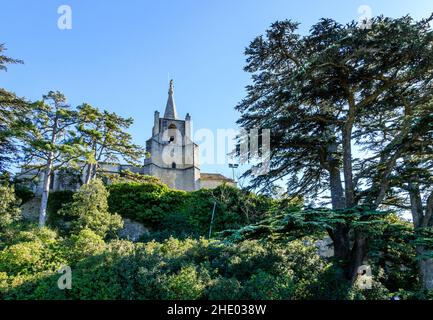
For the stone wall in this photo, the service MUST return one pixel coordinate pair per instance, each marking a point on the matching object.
(181, 179)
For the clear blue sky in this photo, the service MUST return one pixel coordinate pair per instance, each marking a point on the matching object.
(119, 53)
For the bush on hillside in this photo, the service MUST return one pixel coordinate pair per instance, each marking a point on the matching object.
(90, 211)
(147, 203)
(173, 269)
(34, 251)
(9, 210)
(234, 208)
(23, 193)
(56, 200)
(181, 213)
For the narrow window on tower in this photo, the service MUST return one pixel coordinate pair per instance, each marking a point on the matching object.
(172, 132)
(173, 165)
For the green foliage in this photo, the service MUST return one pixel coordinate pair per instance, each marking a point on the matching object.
(23, 193)
(84, 244)
(234, 208)
(90, 209)
(178, 269)
(9, 210)
(391, 249)
(181, 213)
(57, 199)
(265, 286)
(336, 89)
(173, 269)
(294, 222)
(225, 289)
(126, 176)
(51, 142)
(147, 203)
(394, 252)
(37, 250)
(187, 284)
(13, 120)
(105, 139)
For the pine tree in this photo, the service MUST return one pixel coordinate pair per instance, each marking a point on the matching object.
(51, 144)
(105, 136)
(9, 209)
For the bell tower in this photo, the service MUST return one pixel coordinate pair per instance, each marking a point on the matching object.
(173, 155)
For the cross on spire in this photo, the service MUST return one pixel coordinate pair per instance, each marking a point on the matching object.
(170, 108)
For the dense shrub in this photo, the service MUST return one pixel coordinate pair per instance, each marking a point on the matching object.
(90, 210)
(85, 244)
(9, 210)
(188, 284)
(148, 203)
(56, 200)
(395, 254)
(37, 250)
(127, 176)
(234, 208)
(225, 289)
(173, 269)
(181, 213)
(23, 193)
(265, 286)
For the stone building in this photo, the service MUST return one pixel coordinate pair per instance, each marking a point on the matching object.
(172, 156)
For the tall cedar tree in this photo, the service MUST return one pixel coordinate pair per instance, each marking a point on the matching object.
(316, 92)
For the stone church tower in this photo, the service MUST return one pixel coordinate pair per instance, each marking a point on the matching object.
(172, 155)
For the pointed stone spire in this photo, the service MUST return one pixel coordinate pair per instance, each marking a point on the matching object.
(170, 108)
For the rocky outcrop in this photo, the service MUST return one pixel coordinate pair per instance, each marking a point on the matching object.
(132, 230)
(30, 209)
(325, 247)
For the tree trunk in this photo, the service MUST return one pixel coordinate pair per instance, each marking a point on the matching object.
(415, 205)
(425, 265)
(340, 235)
(347, 166)
(47, 177)
(88, 173)
(425, 269)
(45, 193)
(94, 167)
(350, 258)
(340, 238)
(359, 249)
(358, 254)
(91, 168)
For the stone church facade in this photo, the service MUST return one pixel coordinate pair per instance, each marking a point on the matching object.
(172, 156)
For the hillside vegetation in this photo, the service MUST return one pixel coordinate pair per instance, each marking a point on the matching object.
(177, 260)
